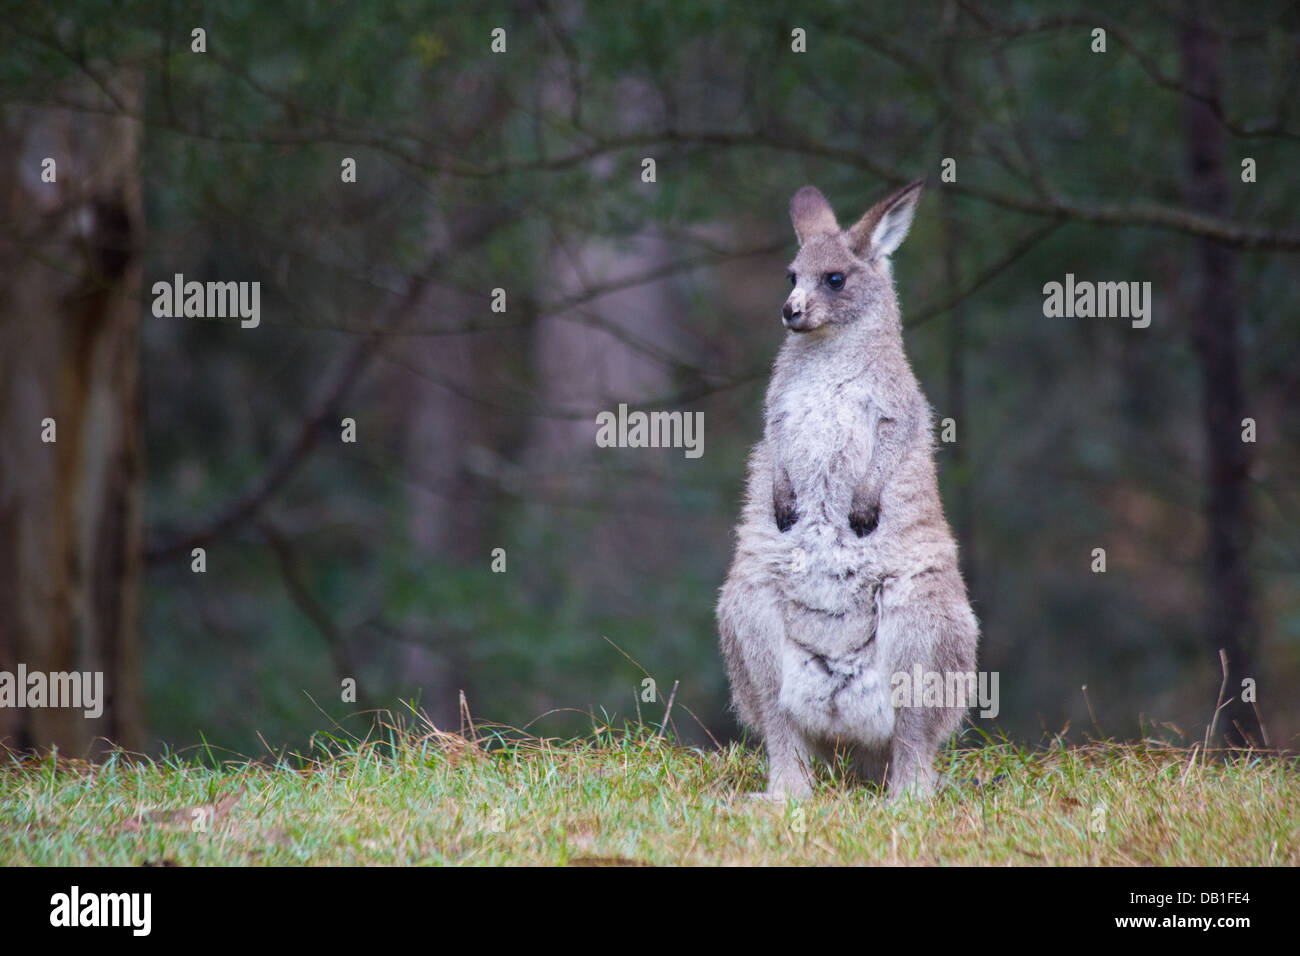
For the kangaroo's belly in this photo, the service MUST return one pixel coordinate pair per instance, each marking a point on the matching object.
(833, 680)
(836, 698)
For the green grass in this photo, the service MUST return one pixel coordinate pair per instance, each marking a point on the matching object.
(622, 797)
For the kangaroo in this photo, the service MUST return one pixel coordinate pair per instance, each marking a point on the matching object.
(845, 571)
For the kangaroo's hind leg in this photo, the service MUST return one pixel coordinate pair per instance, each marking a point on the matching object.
(752, 632)
(927, 621)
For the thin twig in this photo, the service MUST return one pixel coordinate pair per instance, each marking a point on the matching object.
(668, 710)
(1209, 733)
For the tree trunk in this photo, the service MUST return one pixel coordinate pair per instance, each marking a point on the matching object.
(70, 510)
(1215, 321)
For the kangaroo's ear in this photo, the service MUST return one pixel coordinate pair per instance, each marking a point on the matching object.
(884, 226)
(811, 214)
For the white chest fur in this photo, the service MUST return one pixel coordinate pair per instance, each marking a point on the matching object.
(821, 429)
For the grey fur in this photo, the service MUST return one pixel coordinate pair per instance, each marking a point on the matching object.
(845, 571)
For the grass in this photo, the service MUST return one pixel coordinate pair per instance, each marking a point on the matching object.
(629, 797)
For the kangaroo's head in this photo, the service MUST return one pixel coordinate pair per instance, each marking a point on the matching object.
(844, 277)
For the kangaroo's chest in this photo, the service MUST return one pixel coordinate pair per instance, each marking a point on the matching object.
(822, 431)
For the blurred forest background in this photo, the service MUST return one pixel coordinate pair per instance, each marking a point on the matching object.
(522, 170)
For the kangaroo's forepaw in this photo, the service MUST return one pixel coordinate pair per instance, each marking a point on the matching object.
(864, 520)
(786, 517)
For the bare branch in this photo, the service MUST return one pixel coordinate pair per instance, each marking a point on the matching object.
(287, 462)
(988, 274)
(302, 596)
(1144, 60)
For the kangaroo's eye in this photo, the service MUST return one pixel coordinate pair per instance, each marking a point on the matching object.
(835, 280)
(793, 278)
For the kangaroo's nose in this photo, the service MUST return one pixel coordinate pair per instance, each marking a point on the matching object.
(789, 313)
